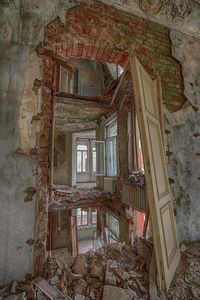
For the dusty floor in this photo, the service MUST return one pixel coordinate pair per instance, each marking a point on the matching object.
(114, 272)
(85, 246)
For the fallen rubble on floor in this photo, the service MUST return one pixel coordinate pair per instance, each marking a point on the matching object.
(114, 272)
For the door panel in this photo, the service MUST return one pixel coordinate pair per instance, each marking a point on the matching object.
(163, 223)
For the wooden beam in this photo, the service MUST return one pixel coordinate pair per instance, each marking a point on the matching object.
(123, 75)
(101, 99)
(82, 102)
(65, 63)
(74, 127)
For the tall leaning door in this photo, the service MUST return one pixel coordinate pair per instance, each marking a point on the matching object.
(159, 198)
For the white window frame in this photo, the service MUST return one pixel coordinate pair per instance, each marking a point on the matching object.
(111, 139)
(81, 142)
(94, 143)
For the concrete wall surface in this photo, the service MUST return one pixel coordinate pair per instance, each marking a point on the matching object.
(18, 171)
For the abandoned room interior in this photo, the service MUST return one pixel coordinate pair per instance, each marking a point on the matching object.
(100, 127)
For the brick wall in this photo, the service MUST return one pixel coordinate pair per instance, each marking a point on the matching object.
(94, 30)
(43, 154)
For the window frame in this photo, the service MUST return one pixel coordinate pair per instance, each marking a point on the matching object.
(80, 142)
(110, 139)
(90, 218)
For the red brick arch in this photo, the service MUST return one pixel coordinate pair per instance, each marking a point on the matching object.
(97, 31)
(79, 50)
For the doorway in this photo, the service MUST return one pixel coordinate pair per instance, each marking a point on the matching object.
(85, 158)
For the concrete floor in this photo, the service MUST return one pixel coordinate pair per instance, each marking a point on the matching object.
(86, 185)
(85, 246)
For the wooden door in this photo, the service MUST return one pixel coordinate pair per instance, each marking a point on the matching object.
(159, 198)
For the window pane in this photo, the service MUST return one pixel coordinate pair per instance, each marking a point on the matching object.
(111, 152)
(94, 161)
(84, 161)
(82, 147)
(112, 129)
(94, 217)
(79, 161)
(84, 217)
(98, 158)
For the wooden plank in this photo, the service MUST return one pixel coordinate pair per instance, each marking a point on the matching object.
(120, 82)
(81, 102)
(65, 63)
(102, 225)
(50, 291)
(146, 222)
(74, 127)
(118, 87)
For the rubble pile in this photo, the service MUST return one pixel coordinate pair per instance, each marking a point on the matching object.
(114, 272)
(186, 283)
(65, 196)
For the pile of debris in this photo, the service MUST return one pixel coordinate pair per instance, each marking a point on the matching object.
(186, 283)
(66, 196)
(115, 271)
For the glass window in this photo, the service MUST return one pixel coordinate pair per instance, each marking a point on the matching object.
(94, 217)
(115, 70)
(81, 217)
(111, 149)
(94, 157)
(82, 155)
(98, 158)
(82, 147)
(86, 217)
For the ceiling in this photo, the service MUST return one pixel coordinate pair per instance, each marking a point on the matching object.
(180, 15)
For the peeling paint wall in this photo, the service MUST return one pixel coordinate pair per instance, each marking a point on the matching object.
(18, 171)
(62, 158)
(183, 128)
(21, 28)
(30, 105)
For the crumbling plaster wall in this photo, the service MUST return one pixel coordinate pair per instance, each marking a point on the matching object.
(63, 167)
(17, 218)
(183, 128)
(21, 28)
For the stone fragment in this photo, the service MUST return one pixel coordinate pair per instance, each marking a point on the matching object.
(183, 248)
(110, 279)
(13, 287)
(50, 291)
(80, 287)
(64, 259)
(21, 296)
(97, 268)
(115, 293)
(122, 275)
(80, 264)
(54, 280)
(23, 287)
(79, 297)
(195, 292)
